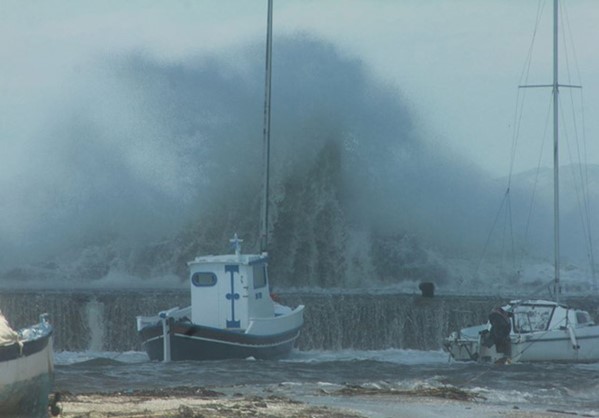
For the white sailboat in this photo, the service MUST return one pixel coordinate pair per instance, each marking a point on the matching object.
(232, 313)
(534, 330)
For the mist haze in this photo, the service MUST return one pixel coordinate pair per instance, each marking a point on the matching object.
(130, 164)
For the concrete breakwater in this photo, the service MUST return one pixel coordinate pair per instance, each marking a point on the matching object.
(104, 320)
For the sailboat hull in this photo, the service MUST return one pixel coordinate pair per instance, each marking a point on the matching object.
(558, 346)
(552, 346)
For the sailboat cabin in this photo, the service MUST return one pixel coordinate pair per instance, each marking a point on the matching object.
(541, 315)
(229, 290)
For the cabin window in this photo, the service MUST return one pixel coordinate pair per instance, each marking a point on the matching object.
(532, 318)
(260, 279)
(203, 279)
(583, 318)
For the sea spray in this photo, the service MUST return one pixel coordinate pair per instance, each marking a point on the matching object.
(105, 319)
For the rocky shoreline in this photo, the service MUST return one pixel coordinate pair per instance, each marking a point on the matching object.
(349, 402)
(190, 403)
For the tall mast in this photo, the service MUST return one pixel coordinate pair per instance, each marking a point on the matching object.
(556, 285)
(555, 93)
(265, 184)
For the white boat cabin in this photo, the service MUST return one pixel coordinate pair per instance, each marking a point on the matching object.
(229, 291)
(541, 315)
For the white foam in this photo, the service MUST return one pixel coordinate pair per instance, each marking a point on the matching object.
(65, 358)
(398, 356)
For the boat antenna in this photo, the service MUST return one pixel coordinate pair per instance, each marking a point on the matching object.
(266, 133)
(555, 93)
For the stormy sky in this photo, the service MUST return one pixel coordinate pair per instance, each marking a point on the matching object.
(90, 136)
(458, 62)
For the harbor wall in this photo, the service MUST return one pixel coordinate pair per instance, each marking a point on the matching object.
(104, 320)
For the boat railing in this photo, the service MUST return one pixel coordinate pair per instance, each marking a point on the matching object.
(175, 313)
(281, 323)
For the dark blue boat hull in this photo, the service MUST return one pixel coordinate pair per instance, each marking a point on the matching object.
(194, 342)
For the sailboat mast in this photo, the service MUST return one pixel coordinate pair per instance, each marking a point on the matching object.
(556, 226)
(266, 144)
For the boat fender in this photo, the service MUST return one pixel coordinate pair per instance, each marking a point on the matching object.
(485, 338)
(573, 340)
(167, 326)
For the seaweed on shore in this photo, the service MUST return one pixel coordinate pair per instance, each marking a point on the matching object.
(173, 392)
(196, 402)
(445, 392)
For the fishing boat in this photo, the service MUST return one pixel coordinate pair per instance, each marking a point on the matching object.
(26, 369)
(533, 330)
(232, 312)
